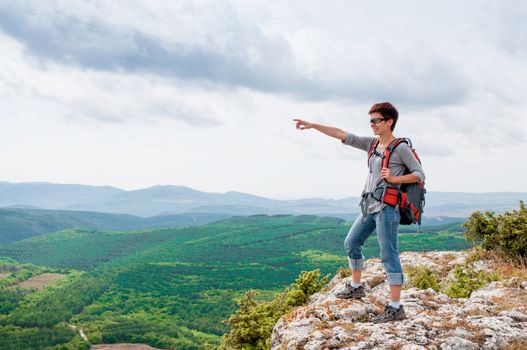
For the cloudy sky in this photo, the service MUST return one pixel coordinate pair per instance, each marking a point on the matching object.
(202, 93)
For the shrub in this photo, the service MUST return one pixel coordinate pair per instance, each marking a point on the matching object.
(466, 280)
(505, 233)
(306, 284)
(423, 277)
(253, 323)
(344, 272)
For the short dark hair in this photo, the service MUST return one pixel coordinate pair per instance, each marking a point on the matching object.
(387, 110)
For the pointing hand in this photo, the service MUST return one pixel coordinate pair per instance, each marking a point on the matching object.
(302, 124)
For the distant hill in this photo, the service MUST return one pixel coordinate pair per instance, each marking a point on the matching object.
(18, 224)
(170, 200)
(53, 196)
(261, 238)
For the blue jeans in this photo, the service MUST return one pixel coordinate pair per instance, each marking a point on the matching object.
(385, 222)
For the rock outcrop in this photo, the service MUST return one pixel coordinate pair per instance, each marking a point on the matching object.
(494, 317)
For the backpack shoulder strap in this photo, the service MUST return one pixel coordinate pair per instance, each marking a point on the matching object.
(373, 146)
(407, 140)
(389, 150)
(396, 142)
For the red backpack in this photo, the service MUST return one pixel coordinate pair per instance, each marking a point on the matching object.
(410, 197)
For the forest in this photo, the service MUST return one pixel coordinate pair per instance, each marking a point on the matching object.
(169, 288)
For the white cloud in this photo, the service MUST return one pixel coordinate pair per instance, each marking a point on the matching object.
(203, 94)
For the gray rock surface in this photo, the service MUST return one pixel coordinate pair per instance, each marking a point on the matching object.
(492, 318)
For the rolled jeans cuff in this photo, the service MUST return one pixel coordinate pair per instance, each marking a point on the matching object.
(356, 264)
(396, 278)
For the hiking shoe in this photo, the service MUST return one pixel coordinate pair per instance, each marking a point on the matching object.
(390, 314)
(351, 293)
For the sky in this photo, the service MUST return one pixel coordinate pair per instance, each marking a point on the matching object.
(202, 94)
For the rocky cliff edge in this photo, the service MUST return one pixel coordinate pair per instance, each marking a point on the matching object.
(493, 317)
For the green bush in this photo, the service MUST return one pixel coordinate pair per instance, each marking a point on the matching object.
(466, 280)
(344, 272)
(423, 277)
(253, 323)
(505, 233)
(476, 254)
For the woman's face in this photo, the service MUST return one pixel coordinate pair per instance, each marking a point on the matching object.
(378, 124)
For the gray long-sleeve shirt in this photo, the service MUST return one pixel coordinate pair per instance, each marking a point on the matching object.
(401, 158)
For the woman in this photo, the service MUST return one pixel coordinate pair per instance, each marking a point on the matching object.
(377, 215)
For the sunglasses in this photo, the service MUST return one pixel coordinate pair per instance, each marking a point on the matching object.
(376, 120)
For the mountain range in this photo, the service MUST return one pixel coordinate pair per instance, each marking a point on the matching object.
(176, 200)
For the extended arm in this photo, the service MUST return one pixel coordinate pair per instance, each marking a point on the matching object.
(328, 130)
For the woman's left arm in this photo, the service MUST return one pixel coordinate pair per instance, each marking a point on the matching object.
(402, 179)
